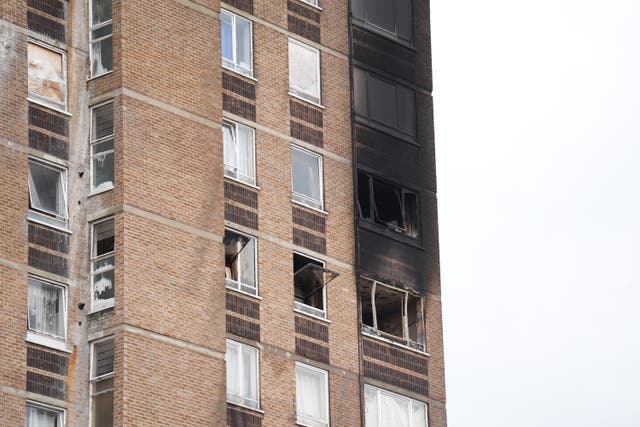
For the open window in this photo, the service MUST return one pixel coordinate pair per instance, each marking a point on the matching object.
(392, 313)
(240, 262)
(239, 152)
(388, 204)
(47, 192)
(310, 278)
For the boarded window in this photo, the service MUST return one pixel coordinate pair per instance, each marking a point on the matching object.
(47, 75)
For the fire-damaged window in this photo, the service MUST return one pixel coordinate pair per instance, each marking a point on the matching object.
(240, 262)
(389, 17)
(103, 264)
(47, 75)
(387, 204)
(101, 37)
(392, 313)
(309, 283)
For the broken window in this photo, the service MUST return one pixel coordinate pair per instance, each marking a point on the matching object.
(236, 37)
(309, 283)
(306, 177)
(102, 371)
(102, 147)
(387, 204)
(47, 192)
(304, 71)
(384, 102)
(101, 37)
(242, 374)
(47, 308)
(383, 408)
(47, 75)
(38, 415)
(392, 313)
(389, 17)
(240, 262)
(312, 396)
(103, 264)
(239, 152)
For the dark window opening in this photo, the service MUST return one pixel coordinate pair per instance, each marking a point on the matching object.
(309, 281)
(240, 262)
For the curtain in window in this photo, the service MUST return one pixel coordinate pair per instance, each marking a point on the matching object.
(306, 174)
(228, 136)
(394, 411)
(46, 311)
(246, 259)
(310, 395)
(419, 414)
(370, 407)
(246, 156)
(39, 417)
(243, 43)
(249, 376)
(226, 29)
(233, 368)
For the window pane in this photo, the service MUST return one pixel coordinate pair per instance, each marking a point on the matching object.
(305, 171)
(103, 171)
(246, 259)
(103, 358)
(406, 110)
(101, 10)
(102, 121)
(46, 73)
(102, 56)
(232, 358)
(404, 24)
(364, 195)
(388, 205)
(304, 78)
(370, 407)
(360, 92)
(226, 28)
(382, 101)
(243, 43)
(249, 384)
(246, 154)
(228, 137)
(394, 410)
(103, 238)
(357, 9)
(381, 14)
(389, 309)
(41, 417)
(46, 308)
(47, 189)
(103, 280)
(311, 397)
(419, 414)
(102, 410)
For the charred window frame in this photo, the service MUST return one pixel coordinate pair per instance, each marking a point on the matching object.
(389, 205)
(384, 104)
(47, 75)
(102, 147)
(100, 37)
(391, 18)
(101, 382)
(241, 262)
(103, 264)
(393, 314)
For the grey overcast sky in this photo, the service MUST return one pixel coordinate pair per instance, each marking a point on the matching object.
(537, 116)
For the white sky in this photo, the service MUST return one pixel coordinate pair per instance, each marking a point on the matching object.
(537, 116)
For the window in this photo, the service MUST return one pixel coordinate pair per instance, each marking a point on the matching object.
(237, 54)
(47, 75)
(47, 192)
(102, 264)
(47, 308)
(240, 262)
(392, 313)
(309, 285)
(384, 102)
(304, 71)
(101, 37)
(239, 152)
(389, 17)
(312, 396)
(383, 408)
(306, 177)
(387, 204)
(242, 375)
(39, 415)
(311, 2)
(102, 361)
(102, 147)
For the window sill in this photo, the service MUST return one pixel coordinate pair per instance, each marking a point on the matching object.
(322, 211)
(95, 311)
(99, 75)
(322, 319)
(35, 338)
(47, 222)
(308, 101)
(315, 6)
(258, 297)
(95, 192)
(255, 187)
(258, 410)
(303, 424)
(248, 76)
(45, 104)
(395, 344)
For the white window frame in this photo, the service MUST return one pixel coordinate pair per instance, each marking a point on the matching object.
(95, 379)
(300, 418)
(412, 402)
(236, 285)
(309, 310)
(61, 413)
(92, 28)
(304, 199)
(313, 3)
(44, 100)
(97, 306)
(233, 65)
(93, 142)
(316, 98)
(240, 400)
(251, 180)
(64, 304)
(42, 215)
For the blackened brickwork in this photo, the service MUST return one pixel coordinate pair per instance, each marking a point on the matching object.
(46, 26)
(49, 144)
(384, 54)
(54, 8)
(48, 121)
